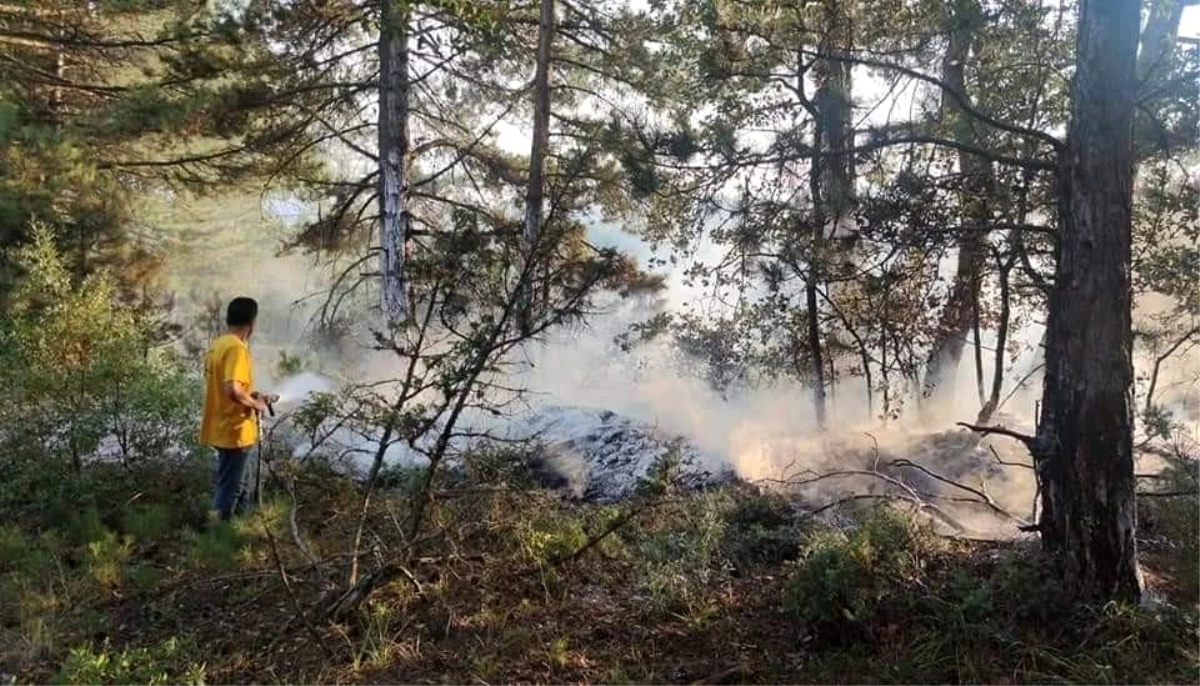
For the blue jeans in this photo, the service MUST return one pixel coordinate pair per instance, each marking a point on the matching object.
(231, 494)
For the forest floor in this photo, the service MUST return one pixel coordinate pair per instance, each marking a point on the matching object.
(125, 582)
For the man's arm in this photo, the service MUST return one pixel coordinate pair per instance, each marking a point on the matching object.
(238, 393)
(235, 380)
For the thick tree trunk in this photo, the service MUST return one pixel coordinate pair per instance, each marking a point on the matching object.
(537, 153)
(958, 314)
(1084, 445)
(393, 157)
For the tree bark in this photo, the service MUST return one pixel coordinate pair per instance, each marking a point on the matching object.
(831, 177)
(537, 153)
(814, 345)
(835, 130)
(957, 316)
(1158, 38)
(393, 156)
(1084, 446)
(993, 401)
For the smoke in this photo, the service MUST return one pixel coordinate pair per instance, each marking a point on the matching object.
(293, 390)
(767, 432)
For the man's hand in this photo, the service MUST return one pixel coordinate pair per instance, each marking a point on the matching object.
(264, 401)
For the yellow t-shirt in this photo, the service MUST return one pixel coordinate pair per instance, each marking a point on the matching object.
(226, 423)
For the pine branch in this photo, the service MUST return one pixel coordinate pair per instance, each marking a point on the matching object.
(963, 102)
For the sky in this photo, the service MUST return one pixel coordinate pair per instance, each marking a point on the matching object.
(1189, 25)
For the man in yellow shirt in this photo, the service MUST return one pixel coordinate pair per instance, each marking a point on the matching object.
(231, 406)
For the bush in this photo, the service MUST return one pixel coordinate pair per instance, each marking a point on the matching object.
(107, 557)
(551, 537)
(81, 375)
(217, 549)
(1173, 524)
(169, 662)
(148, 522)
(762, 529)
(843, 576)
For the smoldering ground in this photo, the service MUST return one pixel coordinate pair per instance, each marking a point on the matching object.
(602, 416)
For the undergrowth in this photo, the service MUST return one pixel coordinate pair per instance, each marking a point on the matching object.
(137, 586)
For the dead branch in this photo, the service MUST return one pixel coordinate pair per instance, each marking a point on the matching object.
(293, 523)
(349, 601)
(1166, 494)
(740, 673)
(595, 540)
(301, 615)
(909, 494)
(999, 430)
(981, 495)
(1006, 463)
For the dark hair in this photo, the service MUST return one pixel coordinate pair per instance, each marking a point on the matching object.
(241, 312)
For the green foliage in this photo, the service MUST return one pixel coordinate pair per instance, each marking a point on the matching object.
(498, 466)
(218, 549)
(405, 480)
(377, 640)
(762, 529)
(107, 557)
(843, 576)
(551, 537)
(172, 661)
(661, 475)
(80, 374)
(1171, 524)
(289, 365)
(148, 522)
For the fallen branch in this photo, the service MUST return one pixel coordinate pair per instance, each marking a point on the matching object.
(349, 601)
(301, 615)
(909, 493)
(293, 523)
(740, 671)
(981, 495)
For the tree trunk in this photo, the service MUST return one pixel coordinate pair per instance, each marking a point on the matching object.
(835, 132)
(1158, 39)
(831, 178)
(537, 154)
(1084, 446)
(814, 345)
(393, 157)
(958, 314)
(993, 401)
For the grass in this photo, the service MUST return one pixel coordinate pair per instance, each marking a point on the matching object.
(725, 585)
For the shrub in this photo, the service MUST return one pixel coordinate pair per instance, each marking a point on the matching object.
(1175, 522)
(762, 529)
(148, 522)
(219, 548)
(107, 557)
(843, 576)
(168, 662)
(551, 537)
(81, 375)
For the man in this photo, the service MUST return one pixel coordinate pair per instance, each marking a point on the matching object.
(230, 421)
